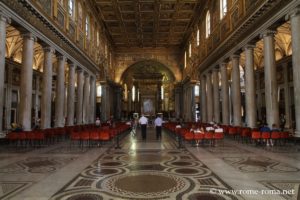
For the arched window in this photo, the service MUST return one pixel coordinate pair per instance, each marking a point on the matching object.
(223, 8)
(198, 37)
(207, 24)
(133, 93)
(125, 92)
(98, 39)
(71, 7)
(185, 59)
(80, 15)
(87, 27)
(190, 50)
(99, 91)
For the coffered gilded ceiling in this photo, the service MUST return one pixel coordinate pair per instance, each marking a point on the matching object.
(148, 23)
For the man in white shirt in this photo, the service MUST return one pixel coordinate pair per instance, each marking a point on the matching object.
(158, 124)
(143, 121)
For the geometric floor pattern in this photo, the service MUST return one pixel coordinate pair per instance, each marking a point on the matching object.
(145, 174)
(149, 170)
(8, 188)
(41, 165)
(258, 164)
(285, 185)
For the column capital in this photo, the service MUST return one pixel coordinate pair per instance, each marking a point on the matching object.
(267, 32)
(79, 69)
(216, 69)
(72, 65)
(29, 36)
(87, 74)
(235, 56)
(61, 58)
(249, 47)
(295, 12)
(48, 49)
(223, 64)
(4, 18)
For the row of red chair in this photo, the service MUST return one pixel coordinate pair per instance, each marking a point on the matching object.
(189, 136)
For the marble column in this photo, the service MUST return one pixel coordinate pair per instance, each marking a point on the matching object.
(250, 87)
(37, 106)
(236, 91)
(92, 106)
(86, 96)
(209, 97)
(60, 92)
(71, 95)
(295, 26)
(80, 80)
(26, 81)
(287, 96)
(271, 90)
(203, 99)
(47, 88)
(216, 95)
(8, 97)
(3, 21)
(259, 95)
(225, 94)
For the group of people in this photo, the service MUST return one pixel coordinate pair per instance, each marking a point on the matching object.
(143, 121)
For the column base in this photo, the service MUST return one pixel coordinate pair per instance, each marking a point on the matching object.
(297, 134)
(2, 134)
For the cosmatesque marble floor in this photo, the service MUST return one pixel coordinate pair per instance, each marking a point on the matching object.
(150, 169)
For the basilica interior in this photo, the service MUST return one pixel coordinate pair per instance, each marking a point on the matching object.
(228, 67)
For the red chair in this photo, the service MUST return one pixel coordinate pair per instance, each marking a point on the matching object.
(85, 137)
(94, 136)
(275, 136)
(218, 136)
(104, 136)
(198, 137)
(75, 136)
(232, 131)
(209, 136)
(265, 136)
(30, 137)
(40, 137)
(256, 136)
(188, 136)
(284, 136)
(245, 134)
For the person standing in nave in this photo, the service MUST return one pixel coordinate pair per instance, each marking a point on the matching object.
(158, 124)
(143, 121)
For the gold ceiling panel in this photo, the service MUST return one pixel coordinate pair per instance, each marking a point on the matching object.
(148, 23)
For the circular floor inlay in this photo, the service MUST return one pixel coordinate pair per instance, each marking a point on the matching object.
(145, 184)
(186, 171)
(146, 158)
(180, 163)
(85, 197)
(112, 164)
